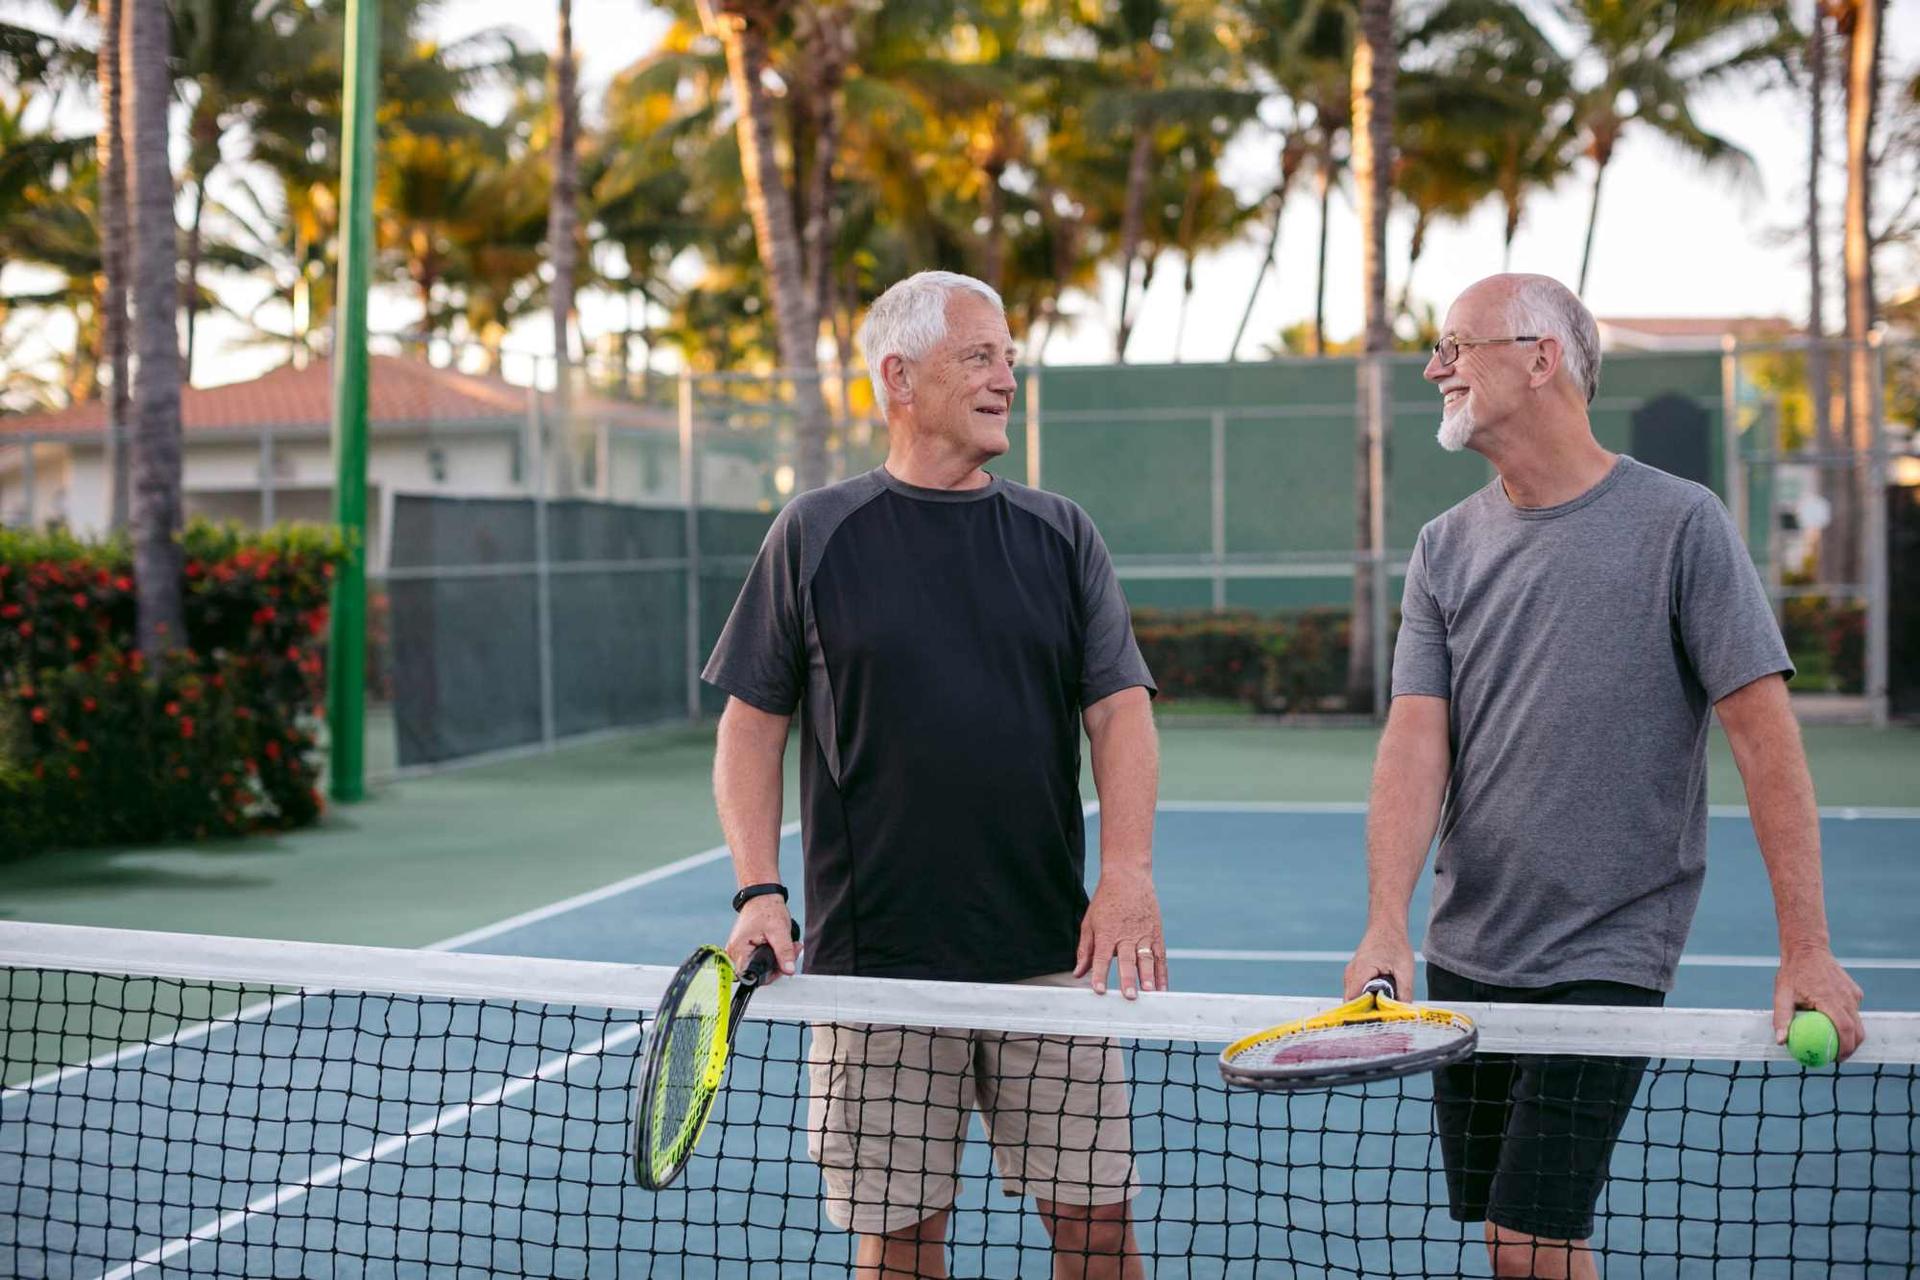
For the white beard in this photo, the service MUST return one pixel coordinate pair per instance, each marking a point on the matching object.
(1456, 428)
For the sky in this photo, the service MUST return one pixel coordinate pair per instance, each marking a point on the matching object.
(1672, 239)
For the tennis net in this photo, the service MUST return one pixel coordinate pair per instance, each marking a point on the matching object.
(180, 1105)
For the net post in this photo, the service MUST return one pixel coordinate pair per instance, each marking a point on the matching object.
(690, 500)
(1875, 528)
(347, 639)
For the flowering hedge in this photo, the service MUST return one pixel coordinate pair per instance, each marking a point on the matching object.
(1280, 662)
(99, 744)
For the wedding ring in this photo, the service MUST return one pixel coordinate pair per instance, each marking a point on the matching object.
(1145, 950)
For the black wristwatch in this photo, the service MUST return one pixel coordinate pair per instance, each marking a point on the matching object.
(753, 891)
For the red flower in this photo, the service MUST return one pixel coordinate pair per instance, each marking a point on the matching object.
(123, 583)
(273, 750)
(26, 628)
(26, 693)
(172, 708)
(39, 715)
(9, 611)
(186, 726)
(89, 704)
(263, 615)
(80, 745)
(73, 772)
(79, 600)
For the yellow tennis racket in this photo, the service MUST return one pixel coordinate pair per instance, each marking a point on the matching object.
(684, 1060)
(1371, 1037)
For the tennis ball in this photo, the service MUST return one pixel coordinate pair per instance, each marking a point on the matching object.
(1812, 1039)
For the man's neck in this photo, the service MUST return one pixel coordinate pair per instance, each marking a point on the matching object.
(1551, 472)
(927, 468)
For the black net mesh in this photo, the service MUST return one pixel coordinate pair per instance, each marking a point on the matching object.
(185, 1127)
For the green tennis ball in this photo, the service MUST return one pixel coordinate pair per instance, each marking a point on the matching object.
(1812, 1039)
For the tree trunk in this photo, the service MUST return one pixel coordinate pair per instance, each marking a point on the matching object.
(1266, 264)
(1186, 301)
(828, 46)
(1374, 70)
(1593, 219)
(1132, 218)
(1863, 85)
(1323, 179)
(204, 135)
(156, 338)
(1819, 387)
(563, 250)
(796, 324)
(113, 262)
(1421, 220)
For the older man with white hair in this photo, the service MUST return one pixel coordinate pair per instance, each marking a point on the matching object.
(1564, 634)
(944, 634)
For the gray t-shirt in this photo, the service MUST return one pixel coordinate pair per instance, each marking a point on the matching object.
(1581, 648)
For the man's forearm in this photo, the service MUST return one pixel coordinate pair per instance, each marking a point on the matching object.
(1126, 775)
(1403, 809)
(1773, 766)
(748, 783)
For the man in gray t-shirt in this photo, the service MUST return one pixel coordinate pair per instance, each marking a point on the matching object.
(1565, 633)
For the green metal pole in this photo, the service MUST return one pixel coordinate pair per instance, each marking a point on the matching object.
(347, 642)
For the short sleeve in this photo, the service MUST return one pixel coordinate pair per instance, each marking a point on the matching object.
(761, 656)
(1720, 607)
(1421, 664)
(1110, 658)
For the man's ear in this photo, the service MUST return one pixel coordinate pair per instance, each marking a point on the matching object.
(898, 380)
(1546, 361)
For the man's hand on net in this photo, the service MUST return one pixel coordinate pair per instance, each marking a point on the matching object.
(1810, 978)
(764, 919)
(1123, 924)
(1381, 951)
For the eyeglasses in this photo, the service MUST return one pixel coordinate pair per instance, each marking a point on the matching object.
(1447, 350)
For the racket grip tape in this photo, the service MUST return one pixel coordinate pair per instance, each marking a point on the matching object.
(1380, 986)
(763, 962)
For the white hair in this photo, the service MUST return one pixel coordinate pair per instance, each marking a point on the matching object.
(1546, 308)
(910, 319)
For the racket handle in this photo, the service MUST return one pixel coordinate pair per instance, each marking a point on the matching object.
(1379, 986)
(763, 962)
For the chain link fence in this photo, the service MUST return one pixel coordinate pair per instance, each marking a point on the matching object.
(546, 566)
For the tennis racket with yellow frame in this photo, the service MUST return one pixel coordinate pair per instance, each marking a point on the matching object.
(684, 1060)
(1372, 1037)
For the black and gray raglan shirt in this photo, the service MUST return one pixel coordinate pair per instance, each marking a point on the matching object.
(939, 646)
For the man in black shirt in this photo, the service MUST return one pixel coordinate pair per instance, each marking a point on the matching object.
(944, 634)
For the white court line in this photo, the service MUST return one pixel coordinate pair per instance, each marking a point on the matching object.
(1703, 961)
(290, 1192)
(264, 1008)
(276, 1200)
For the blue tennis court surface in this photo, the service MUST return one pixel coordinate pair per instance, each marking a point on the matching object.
(368, 1135)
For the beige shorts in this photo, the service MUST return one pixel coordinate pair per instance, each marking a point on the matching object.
(889, 1107)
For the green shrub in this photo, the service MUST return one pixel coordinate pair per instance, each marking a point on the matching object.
(1281, 662)
(216, 736)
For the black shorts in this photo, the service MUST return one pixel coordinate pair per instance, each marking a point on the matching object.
(1527, 1138)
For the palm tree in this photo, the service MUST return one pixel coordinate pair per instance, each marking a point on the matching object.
(1375, 64)
(156, 340)
(110, 158)
(1653, 56)
(563, 248)
(1819, 392)
(1860, 22)
(744, 28)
